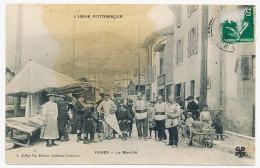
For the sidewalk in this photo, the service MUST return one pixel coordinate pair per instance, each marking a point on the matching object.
(229, 144)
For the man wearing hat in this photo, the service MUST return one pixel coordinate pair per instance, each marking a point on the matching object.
(79, 111)
(108, 107)
(193, 107)
(49, 130)
(63, 117)
(160, 116)
(173, 113)
(140, 110)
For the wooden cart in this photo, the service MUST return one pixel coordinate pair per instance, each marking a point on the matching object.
(186, 134)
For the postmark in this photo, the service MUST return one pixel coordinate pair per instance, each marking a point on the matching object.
(215, 36)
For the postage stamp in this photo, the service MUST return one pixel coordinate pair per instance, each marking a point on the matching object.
(237, 25)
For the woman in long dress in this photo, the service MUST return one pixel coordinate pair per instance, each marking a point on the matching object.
(50, 131)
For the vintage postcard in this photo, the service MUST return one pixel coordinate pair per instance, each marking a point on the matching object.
(146, 84)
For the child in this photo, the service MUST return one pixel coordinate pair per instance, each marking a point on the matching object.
(205, 115)
(217, 124)
(151, 120)
(189, 119)
(124, 118)
(88, 124)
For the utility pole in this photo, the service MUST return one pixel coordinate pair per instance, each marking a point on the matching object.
(89, 68)
(73, 54)
(139, 59)
(18, 54)
(204, 56)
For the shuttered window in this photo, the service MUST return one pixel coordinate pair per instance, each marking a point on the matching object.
(247, 66)
(192, 87)
(161, 61)
(193, 41)
(179, 53)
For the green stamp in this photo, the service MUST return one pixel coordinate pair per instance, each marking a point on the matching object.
(237, 25)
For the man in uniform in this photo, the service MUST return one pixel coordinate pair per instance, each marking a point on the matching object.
(63, 117)
(79, 111)
(140, 110)
(160, 116)
(173, 113)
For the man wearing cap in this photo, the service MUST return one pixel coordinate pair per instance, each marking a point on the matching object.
(108, 107)
(160, 116)
(193, 107)
(173, 112)
(79, 111)
(49, 130)
(140, 110)
(63, 117)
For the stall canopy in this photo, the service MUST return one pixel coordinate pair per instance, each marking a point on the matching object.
(34, 78)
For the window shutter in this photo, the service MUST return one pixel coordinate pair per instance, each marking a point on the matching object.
(178, 51)
(175, 90)
(183, 91)
(192, 41)
(181, 50)
(189, 46)
(245, 67)
(196, 40)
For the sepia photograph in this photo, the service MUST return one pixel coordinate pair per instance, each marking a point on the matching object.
(130, 84)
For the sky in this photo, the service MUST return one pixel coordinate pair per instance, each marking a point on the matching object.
(47, 35)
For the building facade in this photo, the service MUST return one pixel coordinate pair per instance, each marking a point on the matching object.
(159, 50)
(196, 62)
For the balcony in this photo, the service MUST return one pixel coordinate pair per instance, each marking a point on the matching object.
(161, 80)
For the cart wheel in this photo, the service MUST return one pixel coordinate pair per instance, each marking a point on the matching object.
(207, 141)
(184, 136)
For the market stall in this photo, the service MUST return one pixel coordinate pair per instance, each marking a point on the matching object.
(30, 82)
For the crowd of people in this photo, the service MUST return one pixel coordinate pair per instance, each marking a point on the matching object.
(108, 117)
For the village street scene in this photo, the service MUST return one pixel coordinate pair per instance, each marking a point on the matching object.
(130, 84)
